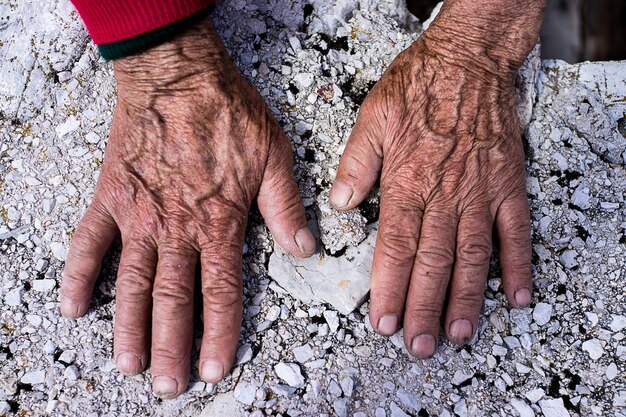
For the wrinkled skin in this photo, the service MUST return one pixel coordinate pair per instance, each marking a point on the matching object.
(441, 128)
(191, 146)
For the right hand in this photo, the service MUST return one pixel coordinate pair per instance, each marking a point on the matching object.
(191, 145)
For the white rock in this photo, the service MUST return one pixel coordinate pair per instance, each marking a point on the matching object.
(44, 285)
(71, 373)
(460, 408)
(522, 408)
(553, 408)
(408, 400)
(461, 376)
(58, 250)
(14, 297)
(245, 393)
(568, 259)
(618, 323)
(304, 79)
(70, 125)
(581, 197)
(303, 353)
(244, 354)
(341, 407)
(594, 348)
(542, 313)
(67, 356)
(5, 408)
(33, 377)
(343, 281)
(396, 411)
(332, 318)
(34, 319)
(290, 373)
(611, 371)
(347, 386)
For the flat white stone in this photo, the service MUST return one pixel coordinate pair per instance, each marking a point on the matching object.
(332, 318)
(594, 348)
(244, 354)
(542, 313)
(14, 297)
(71, 373)
(618, 323)
(304, 79)
(33, 377)
(522, 408)
(290, 373)
(343, 281)
(611, 371)
(58, 250)
(553, 408)
(245, 393)
(44, 285)
(303, 353)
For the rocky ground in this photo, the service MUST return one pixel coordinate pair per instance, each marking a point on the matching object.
(314, 62)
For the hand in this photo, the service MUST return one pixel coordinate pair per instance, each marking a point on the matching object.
(442, 126)
(191, 145)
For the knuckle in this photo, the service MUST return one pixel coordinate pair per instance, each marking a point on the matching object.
(474, 250)
(435, 259)
(397, 248)
(223, 292)
(468, 294)
(423, 313)
(167, 355)
(134, 281)
(173, 292)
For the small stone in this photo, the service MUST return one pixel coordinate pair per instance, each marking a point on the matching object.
(408, 399)
(568, 259)
(341, 407)
(553, 408)
(304, 79)
(520, 320)
(332, 318)
(67, 357)
(347, 386)
(461, 376)
(244, 354)
(14, 297)
(611, 371)
(290, 373)
(542, 313)
(460, 408)
(58, 250)
(5, 408)
(71, 373)
(49, 347)
(594, 348)
(522, 408)
(44, 285)
(618, 323)
(33, 377)
(303, 353)
(41, 265)
(396, 411)
(380, 412)
(245, 393)
(34, 319)
(70, 125)
(534, 395)
(581, 197)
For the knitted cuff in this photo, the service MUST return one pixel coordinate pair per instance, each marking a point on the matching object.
(144, 41)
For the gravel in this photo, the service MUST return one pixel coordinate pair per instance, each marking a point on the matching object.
(311, 350)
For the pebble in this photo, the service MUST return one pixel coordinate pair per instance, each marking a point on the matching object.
(568, 259)
(522, 408)
(408, 400)
(244, 354)
(611, 371)
(332, 318)
(520, 320)
(58, 250)
(396, 411)
(347, 386)
(44, 285)
(245, 393)
(553, 408)
(341, 407)
(304, 79)
(290, 373)
(33, 377)
(542, 313)
(461, 376)
(581, 197)
(534, 395)
(594, 348)
(14, 297)
(303, 353)
(34, 319)
(5, 408)
(71, 373)
(618, 323)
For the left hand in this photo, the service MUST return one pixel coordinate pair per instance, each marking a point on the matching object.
(442, 130)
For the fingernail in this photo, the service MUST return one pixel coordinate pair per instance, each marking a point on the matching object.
(305, 240)
(387, 325)
(69, 308)
(423, 346)
(212, 371)
(522, 297)
(128, 363)
(461, 331)
(340, 194)
(164, 386)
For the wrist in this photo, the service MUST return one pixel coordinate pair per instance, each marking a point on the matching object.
(196, 54)
(492, 36)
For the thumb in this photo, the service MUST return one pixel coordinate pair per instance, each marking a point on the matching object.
(360, 162)
(280, 203)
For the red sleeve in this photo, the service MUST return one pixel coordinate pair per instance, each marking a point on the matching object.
(116, 20)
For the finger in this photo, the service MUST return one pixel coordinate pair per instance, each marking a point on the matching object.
(429, 281)
(172, 319)
(221, 262)
(280, 203)
(513, 224)
(133, 304)
(473, 252)
(394, 254)
(359, 165)
(94, 235)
